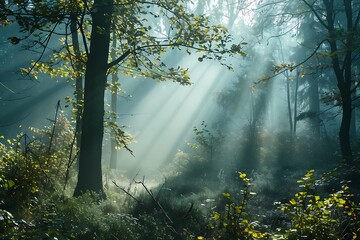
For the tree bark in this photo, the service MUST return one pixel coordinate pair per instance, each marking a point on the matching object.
(295, 102)
(344, 133)
(90, 172)
(289, 103)
(314, 107)
(78, 81)
(115, 79)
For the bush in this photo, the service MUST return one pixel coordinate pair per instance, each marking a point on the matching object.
(306, 216)
(32, 166)
(235, 222)
(311, 216)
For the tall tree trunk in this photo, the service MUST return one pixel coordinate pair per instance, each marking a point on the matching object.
(90, 172)
(353, 124)
(295, 102)
(314, 107)
(115, 79)
(78, 81)
(289, 103)
(344, 134)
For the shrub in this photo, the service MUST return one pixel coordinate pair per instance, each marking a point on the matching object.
(311, 216)
(308, 215)
(234, 222)
(31, 166)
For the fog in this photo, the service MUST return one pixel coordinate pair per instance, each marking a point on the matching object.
(161, 115)
(178, 119)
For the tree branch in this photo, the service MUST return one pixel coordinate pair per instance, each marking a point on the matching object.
(316, 14)
(357, 19)
(127, 193)
(46, 43)
(120, 59)
(302, 62)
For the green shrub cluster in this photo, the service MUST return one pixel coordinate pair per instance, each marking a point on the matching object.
(73, 218)
(31, 166)
(306, 216)
(312, 216)
(235, 222)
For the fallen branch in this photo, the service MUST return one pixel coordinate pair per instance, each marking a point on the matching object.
(153, 198)
(127, 193)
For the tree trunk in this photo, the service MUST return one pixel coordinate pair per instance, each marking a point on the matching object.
(344, 134)
(353, 124)
(295, 102)
(314, 107)
(115, 79)
(90, 172)
(78, 81)
(289, 103)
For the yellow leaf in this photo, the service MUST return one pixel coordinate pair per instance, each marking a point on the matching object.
(227, 195)
(216, 216)
(292, 202)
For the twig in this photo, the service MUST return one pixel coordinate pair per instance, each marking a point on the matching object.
(129, 194)
(153, 198)
(70, 161)
(53, 129)
(45, 45)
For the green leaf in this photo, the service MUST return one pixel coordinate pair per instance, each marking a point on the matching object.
(10, 183)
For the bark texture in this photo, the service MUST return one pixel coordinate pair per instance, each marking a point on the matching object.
(90, 172)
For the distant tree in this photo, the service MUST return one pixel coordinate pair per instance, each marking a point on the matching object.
(113, 106)
(340, 22)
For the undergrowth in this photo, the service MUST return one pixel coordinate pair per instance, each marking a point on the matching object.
(199, 201)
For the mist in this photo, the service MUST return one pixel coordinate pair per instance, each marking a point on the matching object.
(279, 108)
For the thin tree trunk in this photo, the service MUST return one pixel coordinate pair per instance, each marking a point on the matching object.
(289, 103)
(287, 79)
(115, 79)
(314, 107)
(90, 172)
(78, 80)
(353, 124)
(344, 134)
(295, 102)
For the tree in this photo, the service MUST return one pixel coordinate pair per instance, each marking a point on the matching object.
(192, 32)
(342, 36)
(139, 52)
(113, 105)
(340, 22)
(90, 173)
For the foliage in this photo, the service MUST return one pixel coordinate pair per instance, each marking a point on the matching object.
(31, 166)
(234, 222)
(85, 218)
(311, 216)
(167, 213)
(74, 218)
(308, 215)
(120, 137)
